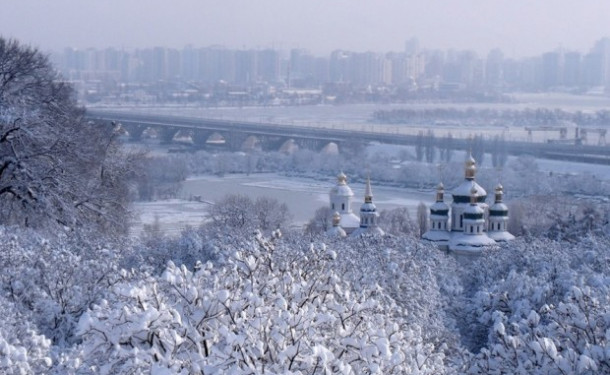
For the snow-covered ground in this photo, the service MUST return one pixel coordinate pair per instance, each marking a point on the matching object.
(303, 196)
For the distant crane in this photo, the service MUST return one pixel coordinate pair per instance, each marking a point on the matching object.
(563, 131)
(601, 140)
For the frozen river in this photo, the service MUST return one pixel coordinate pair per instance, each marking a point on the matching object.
(303, 196)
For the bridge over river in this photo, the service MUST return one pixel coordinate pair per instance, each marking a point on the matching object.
(235, 133)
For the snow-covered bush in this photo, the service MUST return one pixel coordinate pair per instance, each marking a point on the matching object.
(52, 282)
(22, 349)
(255, 313)
(544, 306)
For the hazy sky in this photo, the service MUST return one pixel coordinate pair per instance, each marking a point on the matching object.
(519, 27)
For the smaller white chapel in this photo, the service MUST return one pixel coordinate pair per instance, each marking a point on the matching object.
(345, 222)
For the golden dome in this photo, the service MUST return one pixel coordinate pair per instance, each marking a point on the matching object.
(473, 195)
(440, 191)
(342, 178)
(336, 219)
(499, 192)
(470, 167)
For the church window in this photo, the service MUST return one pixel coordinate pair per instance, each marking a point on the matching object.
(343, 206)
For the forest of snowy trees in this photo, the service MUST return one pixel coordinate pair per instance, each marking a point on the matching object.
(238, 296)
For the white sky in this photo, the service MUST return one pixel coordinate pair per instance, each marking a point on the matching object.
(519, 27)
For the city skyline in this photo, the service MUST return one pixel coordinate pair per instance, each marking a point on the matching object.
(519, 28)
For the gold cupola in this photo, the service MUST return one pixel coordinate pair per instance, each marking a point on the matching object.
(499, 193)
(336, 219)
(473, 196)
(440, 191)
(470, 167)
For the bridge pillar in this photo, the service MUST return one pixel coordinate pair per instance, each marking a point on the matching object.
(166, 134)
(251, 144)
(331, 148)
(135, 131)
(235, 140)
(200, 138)
(288, 146)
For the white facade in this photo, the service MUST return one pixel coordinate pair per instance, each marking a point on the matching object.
(439, 220)
(498, 219)
(472, 224)
(341, 196)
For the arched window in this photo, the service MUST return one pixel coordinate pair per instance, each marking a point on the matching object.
(343, 206)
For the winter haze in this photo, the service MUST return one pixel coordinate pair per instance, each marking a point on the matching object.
(283, 187)
(520, 28)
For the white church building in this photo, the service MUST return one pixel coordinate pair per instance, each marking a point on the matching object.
(470, 224)
(345, 222)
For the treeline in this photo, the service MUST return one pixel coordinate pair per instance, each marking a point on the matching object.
(491, 116)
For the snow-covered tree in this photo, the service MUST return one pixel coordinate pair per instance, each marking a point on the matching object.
(256, 313)
(52, 282)
(239, 212)
(539, 307)
(55, 168)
